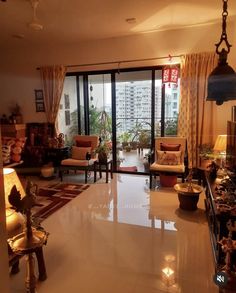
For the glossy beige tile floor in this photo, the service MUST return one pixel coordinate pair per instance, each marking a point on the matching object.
(120, 237)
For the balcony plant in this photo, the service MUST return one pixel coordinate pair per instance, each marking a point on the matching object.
(125, 139)
(103, 150)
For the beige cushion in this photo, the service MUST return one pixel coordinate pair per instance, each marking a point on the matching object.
(74, 162)
(169, 157)
(167, 168)
(79, 153)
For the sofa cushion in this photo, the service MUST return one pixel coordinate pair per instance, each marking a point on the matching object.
(168, 158)
(169, 146)
(79, 153)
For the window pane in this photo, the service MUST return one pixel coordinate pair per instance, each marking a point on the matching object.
(133, 119)
(67, 115)
(171, 109)
(158, 95)
(99, 90)
(81, 101)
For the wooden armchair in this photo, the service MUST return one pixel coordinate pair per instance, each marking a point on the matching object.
(169, 157)
(82, 155)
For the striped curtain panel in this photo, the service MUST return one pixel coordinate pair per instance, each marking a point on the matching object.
(52, 78)
(195, 113)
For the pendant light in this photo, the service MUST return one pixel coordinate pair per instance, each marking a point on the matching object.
(222, 80)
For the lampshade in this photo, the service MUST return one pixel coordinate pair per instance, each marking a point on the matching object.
(220, 144)
(10, 179)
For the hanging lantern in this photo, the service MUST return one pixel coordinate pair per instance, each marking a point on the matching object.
(222, 80)
(170, 74)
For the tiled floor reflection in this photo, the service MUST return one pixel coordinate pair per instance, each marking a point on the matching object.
(120, 237)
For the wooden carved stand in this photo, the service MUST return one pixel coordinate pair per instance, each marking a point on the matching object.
(31, 240)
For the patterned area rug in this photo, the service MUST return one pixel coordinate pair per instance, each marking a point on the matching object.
(55, 196)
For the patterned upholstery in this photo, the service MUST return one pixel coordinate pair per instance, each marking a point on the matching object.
(156, 168)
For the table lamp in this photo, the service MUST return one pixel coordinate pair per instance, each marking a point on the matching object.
(13, 219)
(220, 149)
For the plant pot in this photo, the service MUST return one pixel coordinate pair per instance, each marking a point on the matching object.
(47, 171)
(102, 157)
(168, 180)
(188, 199)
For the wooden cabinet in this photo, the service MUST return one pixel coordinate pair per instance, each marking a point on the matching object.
(13, 130)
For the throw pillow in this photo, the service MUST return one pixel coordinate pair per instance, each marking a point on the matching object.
(168, 158)
(83, 144)
(79, 153)
(6, 154)
(16, 147)
(170, 147)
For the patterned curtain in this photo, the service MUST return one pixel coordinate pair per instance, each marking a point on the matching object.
(195, 114)
(52, 79)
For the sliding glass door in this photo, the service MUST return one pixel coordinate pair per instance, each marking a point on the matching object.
(99, 104)
(133, 119)
(127, 109)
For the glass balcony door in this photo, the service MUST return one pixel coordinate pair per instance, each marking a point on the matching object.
(133, 119)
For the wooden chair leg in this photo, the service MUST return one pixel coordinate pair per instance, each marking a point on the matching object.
(60, 174)
(41, 264)
(150, 180)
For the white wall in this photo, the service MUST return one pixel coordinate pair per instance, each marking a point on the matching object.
(19, 77)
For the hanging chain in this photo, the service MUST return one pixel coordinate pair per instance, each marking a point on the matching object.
(224, 34)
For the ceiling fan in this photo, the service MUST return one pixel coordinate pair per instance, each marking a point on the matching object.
(34, 24)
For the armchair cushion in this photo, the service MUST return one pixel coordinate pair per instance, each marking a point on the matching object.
(89, 139)
(83, 144)
(79, 153)
(168, 158)
(169, 146)
(167, 168)
(74, 162)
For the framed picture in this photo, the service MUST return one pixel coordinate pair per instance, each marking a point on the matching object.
(39, 102)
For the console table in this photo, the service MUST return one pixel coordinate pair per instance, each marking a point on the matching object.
(217, 218)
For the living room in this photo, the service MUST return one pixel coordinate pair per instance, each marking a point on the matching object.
(102, 35)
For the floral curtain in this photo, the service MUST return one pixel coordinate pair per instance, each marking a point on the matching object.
(196, 119)
(52, 79)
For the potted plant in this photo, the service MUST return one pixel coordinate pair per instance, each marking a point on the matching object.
(103, 150)
(125, 139)
(206, 154)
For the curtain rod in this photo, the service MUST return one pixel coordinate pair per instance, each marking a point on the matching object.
(122, 61)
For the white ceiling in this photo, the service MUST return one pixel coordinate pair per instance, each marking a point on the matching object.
(73, 21)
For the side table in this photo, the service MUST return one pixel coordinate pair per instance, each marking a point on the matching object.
(99, 166)
(22, 244)
(56, 155)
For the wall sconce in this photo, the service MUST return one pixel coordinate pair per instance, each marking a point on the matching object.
(222, 80)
